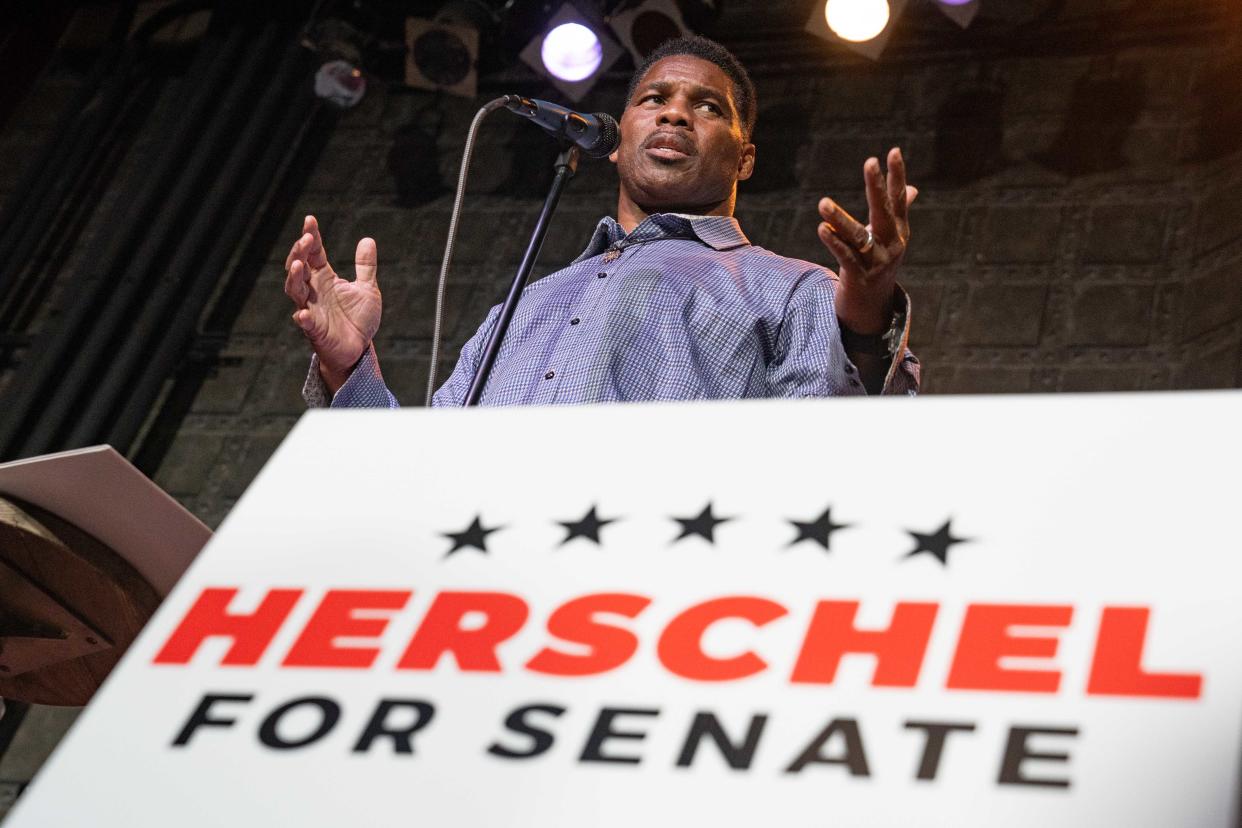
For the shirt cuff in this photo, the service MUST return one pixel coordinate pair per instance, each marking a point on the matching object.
(903, 371)
(315, 391)
(365, 387)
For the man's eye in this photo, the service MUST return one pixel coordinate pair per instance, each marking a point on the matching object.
(652, 98)
(710, 107)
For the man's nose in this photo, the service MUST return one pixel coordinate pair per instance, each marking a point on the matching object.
(675, 113)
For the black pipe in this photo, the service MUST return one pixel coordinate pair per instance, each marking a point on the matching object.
(171, 312)
(28, 195)
(305, 137)
(146, 270)
(106, 256)
(55, 191)
(169, 350)
(30, 293)
(166, 15)
(106, 113)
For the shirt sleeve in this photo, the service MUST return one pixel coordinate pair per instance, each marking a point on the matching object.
(810, 360)
(453, 392)
(365, 387)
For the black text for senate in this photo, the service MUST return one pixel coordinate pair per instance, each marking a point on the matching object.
(587, 635)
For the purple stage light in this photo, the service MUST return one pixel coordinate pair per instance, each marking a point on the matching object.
(571, 52)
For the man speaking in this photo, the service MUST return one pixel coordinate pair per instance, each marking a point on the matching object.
(669, 300)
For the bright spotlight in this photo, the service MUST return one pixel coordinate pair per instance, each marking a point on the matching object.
(856, 20)
(571, 52)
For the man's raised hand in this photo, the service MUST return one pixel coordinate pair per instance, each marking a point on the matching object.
(339, 317)
(868, 255)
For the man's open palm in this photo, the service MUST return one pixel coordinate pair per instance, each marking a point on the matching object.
(339, 317)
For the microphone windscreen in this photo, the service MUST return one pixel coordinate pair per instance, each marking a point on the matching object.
(609, 136)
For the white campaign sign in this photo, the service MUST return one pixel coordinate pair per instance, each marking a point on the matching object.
(1018, 611)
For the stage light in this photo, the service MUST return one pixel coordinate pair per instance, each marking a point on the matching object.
(856, 20)
(643, 27)
(961, 12)
(442, 56)
(443, 53)
(340, 83)
(571, 52)
(862, 26)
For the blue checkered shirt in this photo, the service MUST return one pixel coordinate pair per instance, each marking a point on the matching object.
(682, 308)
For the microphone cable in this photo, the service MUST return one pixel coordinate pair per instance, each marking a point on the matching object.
(487, 109)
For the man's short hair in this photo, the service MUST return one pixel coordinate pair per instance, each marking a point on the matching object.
(701, 47)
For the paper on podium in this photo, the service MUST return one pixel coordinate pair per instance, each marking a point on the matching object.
(101, 493)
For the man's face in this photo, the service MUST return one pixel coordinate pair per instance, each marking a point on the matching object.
(682, 147)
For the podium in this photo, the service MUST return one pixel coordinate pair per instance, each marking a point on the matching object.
(88, 549)
(1016, 611)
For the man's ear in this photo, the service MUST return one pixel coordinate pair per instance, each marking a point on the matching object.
(612, 156)
(746, 164)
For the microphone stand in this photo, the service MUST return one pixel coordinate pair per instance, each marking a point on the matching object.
(566, 166)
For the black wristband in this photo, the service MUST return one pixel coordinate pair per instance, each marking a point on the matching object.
(879, 345)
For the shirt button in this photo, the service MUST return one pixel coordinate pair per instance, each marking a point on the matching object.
(603, 275)
(574, 321)
(549, 375)
(855, 383)
(849, 369)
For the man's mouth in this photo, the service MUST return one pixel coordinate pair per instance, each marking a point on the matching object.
(668, 146)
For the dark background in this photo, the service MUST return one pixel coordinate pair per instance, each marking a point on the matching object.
(1078, 227)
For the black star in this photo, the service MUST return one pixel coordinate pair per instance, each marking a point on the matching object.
(588, 527)
(474, 535)
(704, 525)
(819, 531)
(937, 543)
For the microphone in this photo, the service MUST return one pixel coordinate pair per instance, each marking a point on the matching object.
(597, 135)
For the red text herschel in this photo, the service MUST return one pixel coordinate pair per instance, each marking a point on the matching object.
(989, 634)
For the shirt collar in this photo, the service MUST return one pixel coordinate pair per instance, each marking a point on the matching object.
(717, 232)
